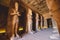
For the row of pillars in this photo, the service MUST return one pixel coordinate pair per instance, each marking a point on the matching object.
(29, 21)
(54, 9)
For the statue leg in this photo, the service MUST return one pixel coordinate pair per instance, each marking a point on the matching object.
(13, 26)
(16, 28)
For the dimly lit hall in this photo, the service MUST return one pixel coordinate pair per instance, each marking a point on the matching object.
(29, 19)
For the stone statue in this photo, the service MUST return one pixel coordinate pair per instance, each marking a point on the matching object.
(15, 20)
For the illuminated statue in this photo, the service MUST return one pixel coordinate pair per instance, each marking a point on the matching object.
(15, 20)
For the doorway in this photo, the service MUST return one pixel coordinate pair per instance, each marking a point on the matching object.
(3, 16)
(49, 23)
(3, 21)
(22, 20)
(33, 21)
(39, 22)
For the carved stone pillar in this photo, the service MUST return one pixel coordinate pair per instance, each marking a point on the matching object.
(54, 6)
(41, 23)
(45, 23)
(11, 25)
(54, 25)
(29, 20)
(37, 19)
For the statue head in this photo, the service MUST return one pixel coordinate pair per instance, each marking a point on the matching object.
(16, 6)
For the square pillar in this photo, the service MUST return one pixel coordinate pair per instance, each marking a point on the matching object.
(45, 23)
(37, 19)
(41, 22)
(29, 21)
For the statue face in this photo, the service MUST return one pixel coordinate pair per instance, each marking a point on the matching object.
(16, 6)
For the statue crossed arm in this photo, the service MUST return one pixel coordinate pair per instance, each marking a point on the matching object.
(15, 13)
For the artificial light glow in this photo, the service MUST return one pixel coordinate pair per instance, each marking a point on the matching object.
(2, 31)
(21, 28)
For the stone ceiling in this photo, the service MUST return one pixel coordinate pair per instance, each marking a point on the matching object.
(39, 6)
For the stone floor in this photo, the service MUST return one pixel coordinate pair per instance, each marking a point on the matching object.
(41, 35)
